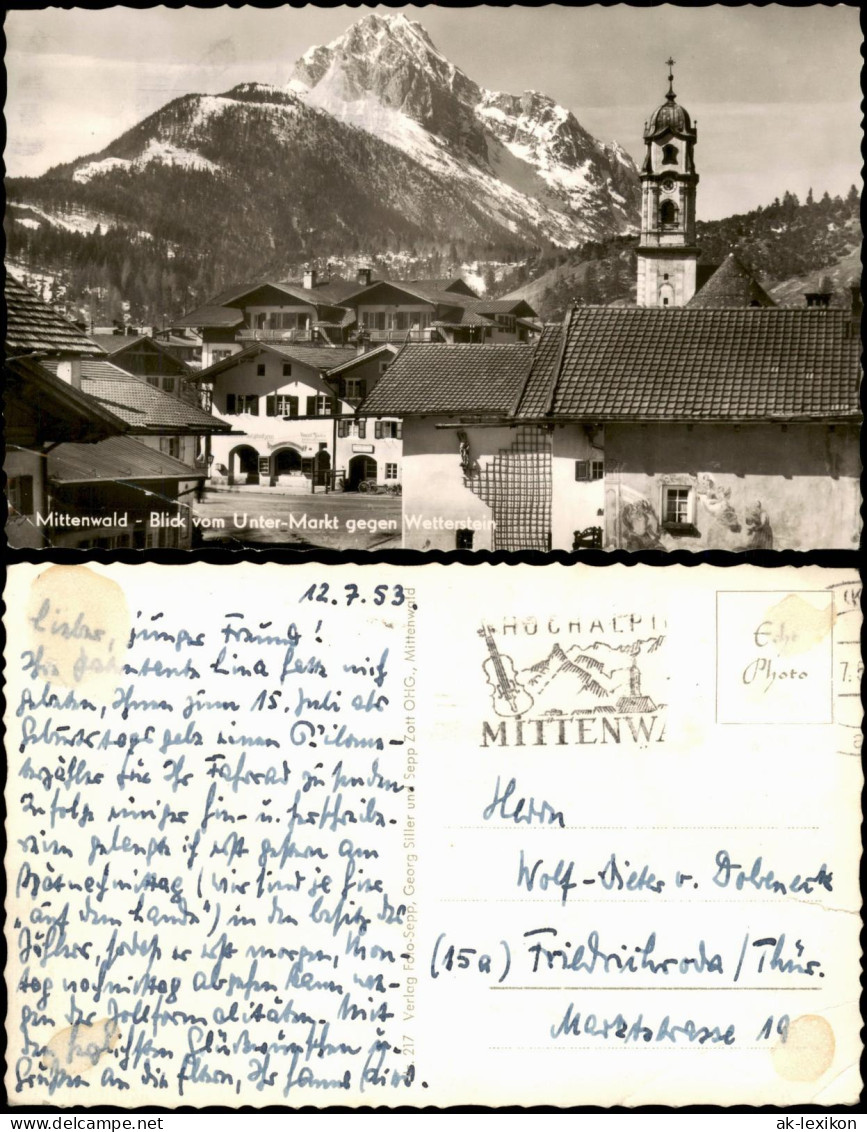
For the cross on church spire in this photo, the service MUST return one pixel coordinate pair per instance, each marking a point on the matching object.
(669, 62)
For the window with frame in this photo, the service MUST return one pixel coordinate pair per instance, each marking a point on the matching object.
(155, 381)
(356, 388)
(260, 369)
(168, 385)
(220, 355)
(668, 214)
(19, 490)
(281, 405)
(320, 406)
(391, 471)
(669, 155)
(506, 322)
(589, 470)
(388, 430)
(242, 404)
(171, 446)
(677, 506)
(287, 369)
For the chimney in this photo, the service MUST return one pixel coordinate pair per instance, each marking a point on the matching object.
(818, 298)
(363, 276)
(362, 342)
(69, 370)
(309, 277)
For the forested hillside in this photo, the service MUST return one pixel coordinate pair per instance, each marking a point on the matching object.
(786, 243)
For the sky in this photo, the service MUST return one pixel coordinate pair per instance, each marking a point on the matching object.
(775, 89)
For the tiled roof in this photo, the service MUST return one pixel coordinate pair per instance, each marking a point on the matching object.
(118, 458)
(495, 306)
(114, 344)
(55, 408)
(144, 408)
(536, 395)
(442, 284)
(731, 285)
(421, 289)
(317, 357)
(451, 379)
(32, 325)
(467, 318)
(389, 348)
(653, 364)
(330, 292)
(111, 343)
(211, 315)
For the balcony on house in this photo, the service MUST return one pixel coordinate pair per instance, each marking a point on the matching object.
(392, 334)
(275, 334)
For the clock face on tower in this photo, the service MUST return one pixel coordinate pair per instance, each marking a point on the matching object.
(668, 185)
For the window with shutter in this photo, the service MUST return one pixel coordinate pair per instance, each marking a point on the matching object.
(362, 429)
(311, 406)
(343, 428)
(271, 406)
(398, 430)
(377, 430)
(293, 406)
(253, 406)
(582, 470)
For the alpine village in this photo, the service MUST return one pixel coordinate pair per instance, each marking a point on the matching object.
(466, 324)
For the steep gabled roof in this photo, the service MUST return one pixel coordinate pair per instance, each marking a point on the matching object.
(116, 344)
(116, 459)
(388, 348)
(145, 409)
(33, 326)
(211, 315)
(449, 379)
(41, 408)
(650, 364)
(328, 292)
(536, 395)
(452, 283)
(421, 290)
(731, 285)
(322, 358)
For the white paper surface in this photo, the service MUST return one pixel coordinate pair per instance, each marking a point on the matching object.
(433, 835)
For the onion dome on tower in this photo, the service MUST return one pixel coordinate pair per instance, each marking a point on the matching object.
(666, 251)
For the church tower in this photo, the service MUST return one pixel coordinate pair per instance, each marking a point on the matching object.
(666, 250)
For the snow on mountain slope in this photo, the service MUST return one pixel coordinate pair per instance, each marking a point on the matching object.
(530, 157)
(155, 150)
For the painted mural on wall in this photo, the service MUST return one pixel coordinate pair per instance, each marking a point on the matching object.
(714, 521)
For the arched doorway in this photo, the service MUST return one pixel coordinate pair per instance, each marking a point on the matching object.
(287, 462)
(360, 468)
(243, 465)
(322, 468)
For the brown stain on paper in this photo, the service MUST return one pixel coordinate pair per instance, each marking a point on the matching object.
(808, 1050)
(80, 1048)
(78, 622)
(795, 626)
